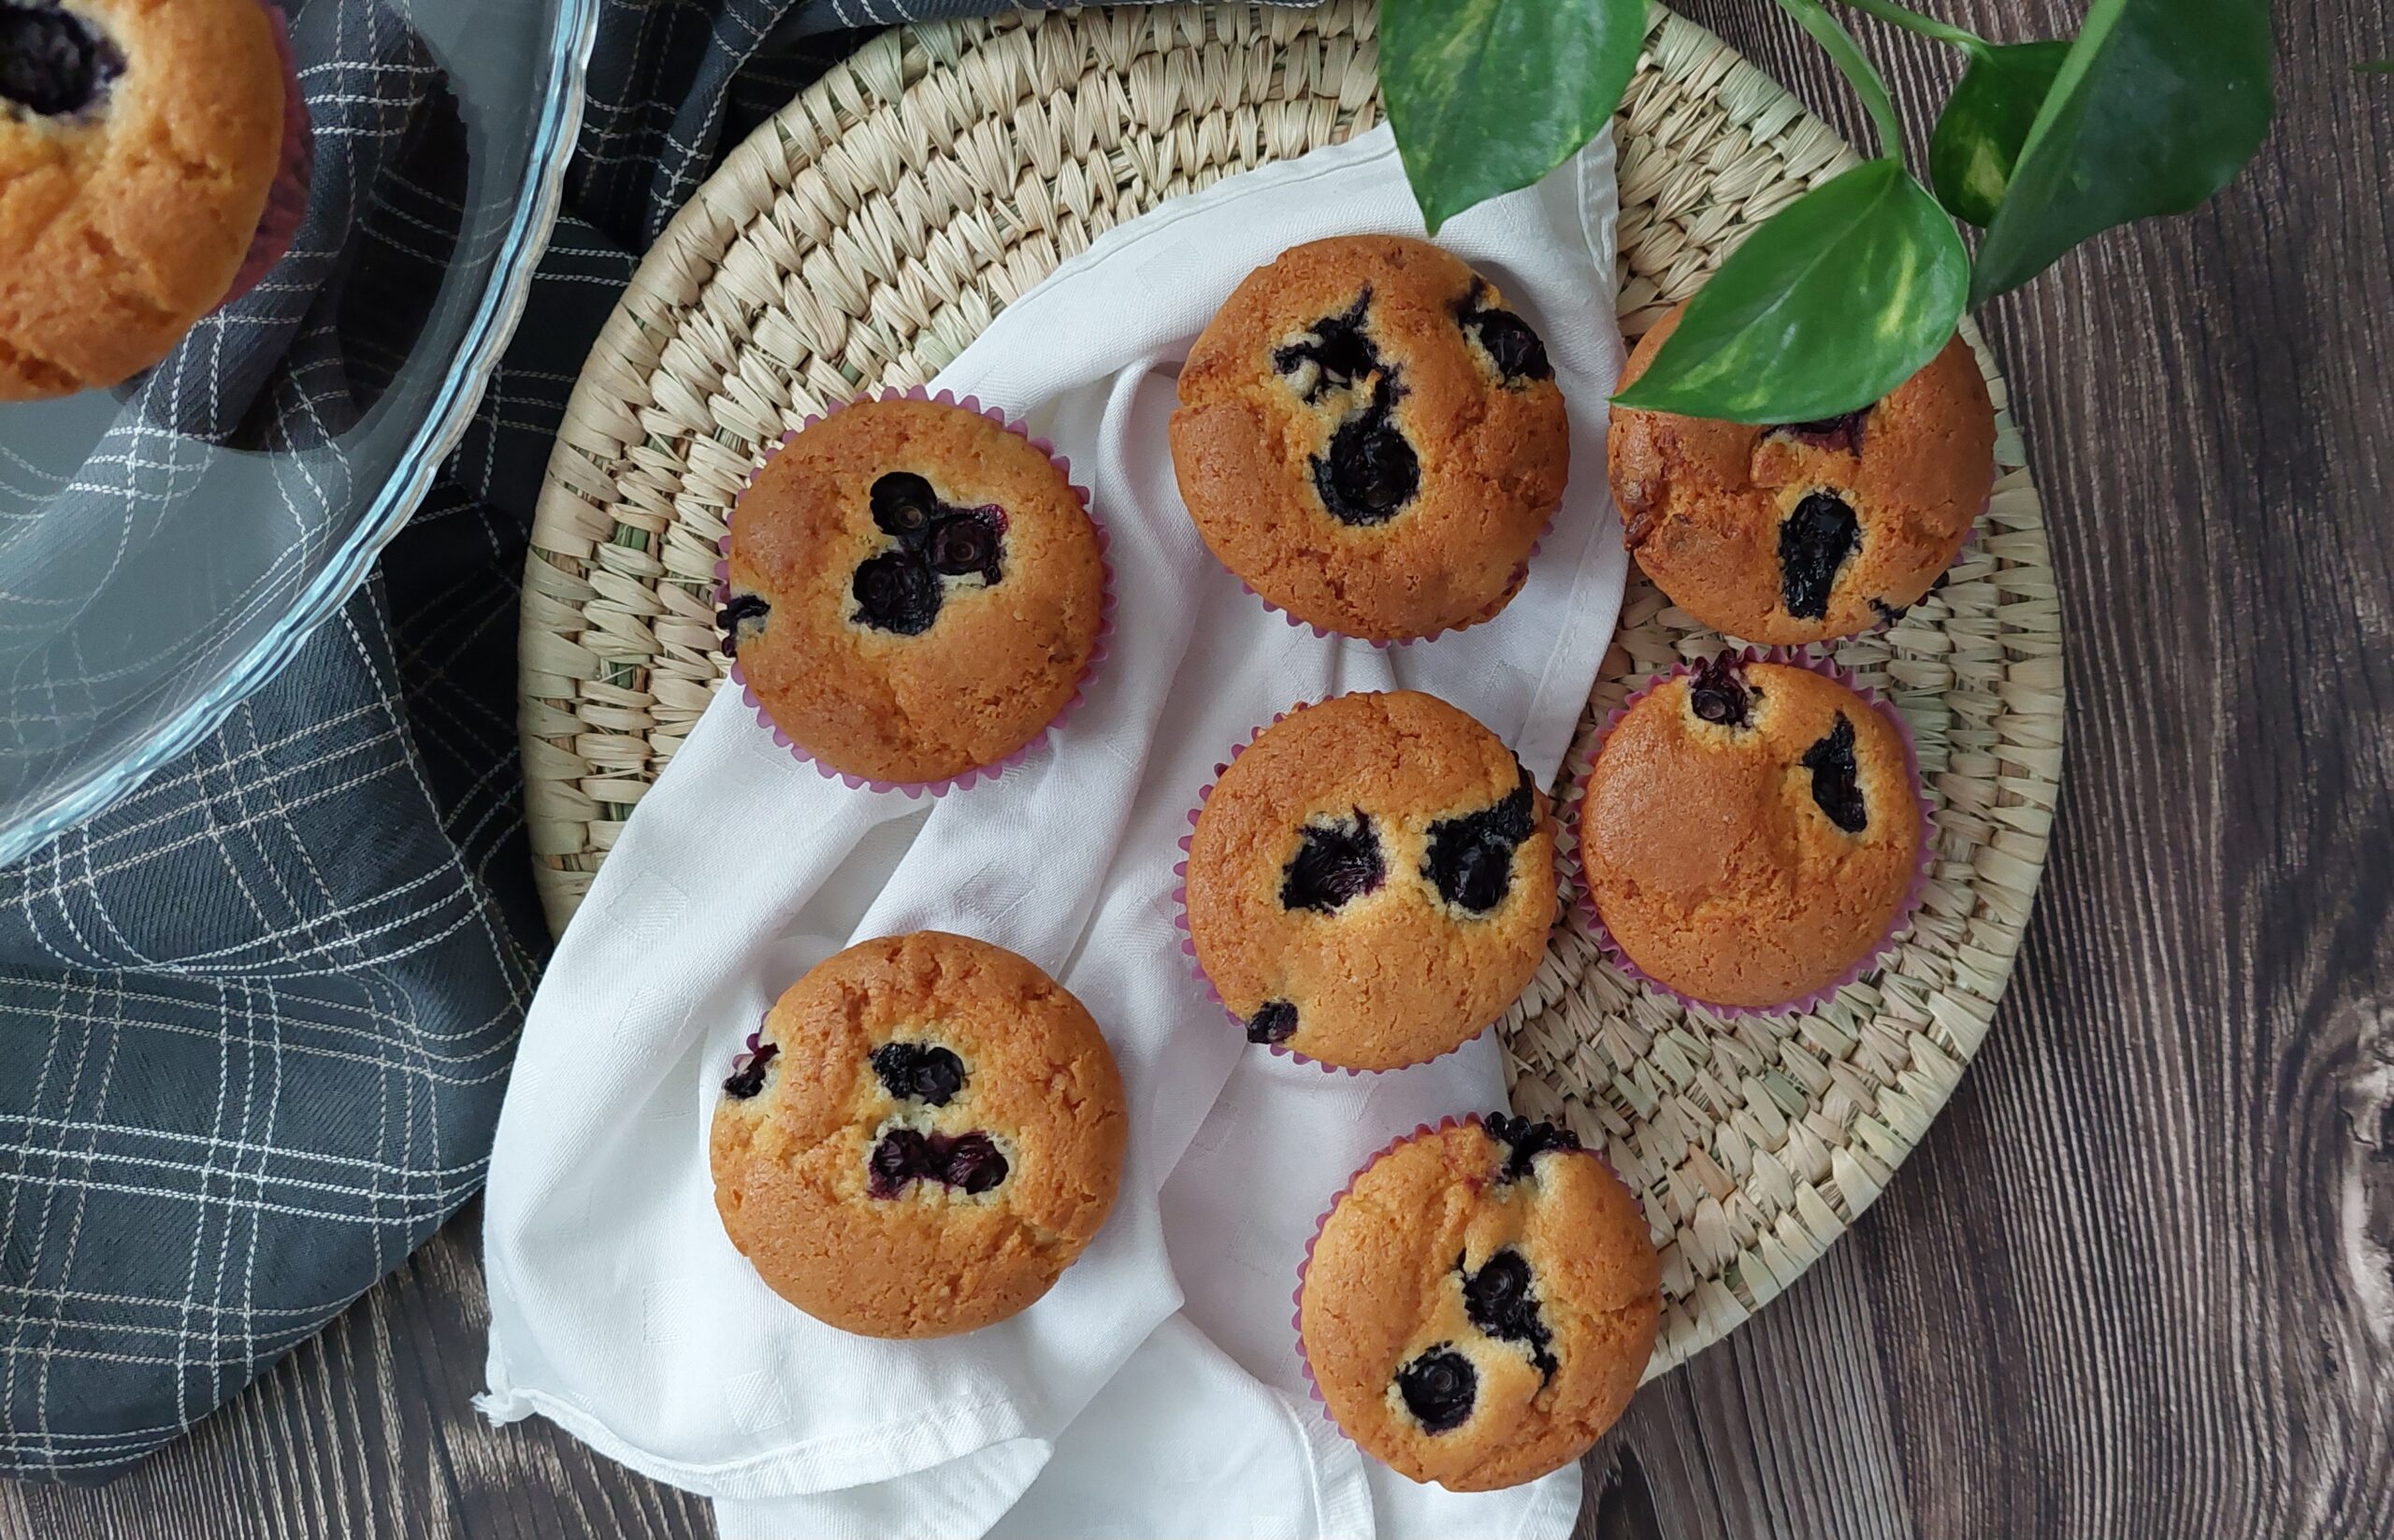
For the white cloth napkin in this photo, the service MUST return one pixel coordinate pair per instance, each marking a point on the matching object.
(1156, 1389)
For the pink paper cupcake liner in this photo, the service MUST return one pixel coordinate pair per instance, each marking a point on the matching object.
(1580, 765)
(1297, 1298)
(1188, 937)
(287, 200)
(966, 780)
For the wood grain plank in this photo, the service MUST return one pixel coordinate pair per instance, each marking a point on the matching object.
(369, 1431)
(2140, 1279)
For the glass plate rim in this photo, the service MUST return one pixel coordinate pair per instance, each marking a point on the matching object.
(102, 784)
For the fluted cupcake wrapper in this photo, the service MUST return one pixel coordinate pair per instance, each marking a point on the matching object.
(1580, 765)
(1188, 937)
(286, 199)
(965, 780)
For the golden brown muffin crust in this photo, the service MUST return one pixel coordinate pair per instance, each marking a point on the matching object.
(1001, 659)
(1400, 974)
(1492, 449)
(122, 225)
(1710, 859)
(1386, 1285)
(1702, 502)
(790, 1163)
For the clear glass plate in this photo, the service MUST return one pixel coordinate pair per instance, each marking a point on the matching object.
(151, 576)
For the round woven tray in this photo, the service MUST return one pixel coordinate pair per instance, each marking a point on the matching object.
(871, 230)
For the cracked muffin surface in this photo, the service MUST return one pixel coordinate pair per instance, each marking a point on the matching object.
(924, 1133)
(1749, 832)
(1371, 881)
(140, 141)
(913, 590)
(1480, 1305)
(1370, 439)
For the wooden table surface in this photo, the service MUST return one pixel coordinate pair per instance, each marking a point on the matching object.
(2140, 1279)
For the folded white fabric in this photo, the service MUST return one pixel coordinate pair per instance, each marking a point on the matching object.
(1156, 1389)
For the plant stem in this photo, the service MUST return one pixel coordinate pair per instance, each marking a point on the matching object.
(1856, 68)
(1912, 21)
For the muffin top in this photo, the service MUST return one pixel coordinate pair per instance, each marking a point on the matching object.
(1749, 832)
(1480, 1307)
(1813, 530)
(1371, 881)
(1370, 439)
(138, 142)
(925, 1132)
(915, 590)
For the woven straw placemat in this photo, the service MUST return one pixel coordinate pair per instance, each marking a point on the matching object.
(871, 230)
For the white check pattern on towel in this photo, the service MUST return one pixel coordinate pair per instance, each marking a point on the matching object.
(1156, 1389)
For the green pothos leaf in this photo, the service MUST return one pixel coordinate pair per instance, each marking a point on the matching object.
(1841, 296)
(1488, 96)
(1985, 122)
(2158, 106)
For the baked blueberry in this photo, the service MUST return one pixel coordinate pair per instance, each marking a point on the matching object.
(52, 61)
(897, 591)
(1516, 349)
(969, 1161)
(1277, 1022)
(1835, 787)
(1524, 1141)
(964, 543)
(919, 1071)
(1814, 542)
(747, 1075)
(899, 1157)
(1439, 1388)
(1843, 432)
(1335, 356)
(1338, 861)
(1369, 472)
(1499, 1301)
(1719, 693)
(741, 617)
(1470, 859)
(904, 505)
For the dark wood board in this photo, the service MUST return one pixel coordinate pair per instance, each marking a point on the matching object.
(2140, 1279)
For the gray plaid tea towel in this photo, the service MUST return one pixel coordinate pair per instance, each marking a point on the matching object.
(255, 1020)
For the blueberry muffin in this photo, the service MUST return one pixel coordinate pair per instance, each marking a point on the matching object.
(139, 142)
(1479, 1306)
(1810, 530)
(924, 1135)
(1370, 882)
(1749, 832)
(1370, 439)
(914, 591)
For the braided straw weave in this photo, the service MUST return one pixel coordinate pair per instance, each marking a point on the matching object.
(870, 231)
